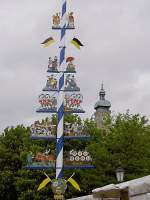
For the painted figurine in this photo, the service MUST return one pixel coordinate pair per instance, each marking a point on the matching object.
(70, 65)
(43, 128)
(55, 64)
(68, 129)
(51, 82)
(73, 101)
(56, 20)
(49, 63)
(71, 83)
(70, 20)
(46, 101)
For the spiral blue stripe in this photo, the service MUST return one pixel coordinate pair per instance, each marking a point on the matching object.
(62, 55)
(64, 8)
(61, 174)
(60, 143)
(61, 82)
(60, 135)
(63, 31)
(60, 112)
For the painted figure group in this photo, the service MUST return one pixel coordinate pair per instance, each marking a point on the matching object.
(70, 65)
(69, 19)
(46, 128)
(53, 64)
(51, 83)
(47, 102)
(43, 128)
(73, 101)
(74, 129)
(70, 83)
(41, 159)
(48, 158)
(79, 156)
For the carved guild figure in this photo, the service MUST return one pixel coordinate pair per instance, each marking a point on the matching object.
(41, 100)
(42, 157)
(49, 62)
(70, 20)
(68, 128)
(77, 129)
(54, 63)
(53, 102)
(73, 101)
(56, 20)
(70, 82)
(67, 101)
(77, 100)
(46, 101)
(45, 128)
(51, 82)
(70, 66)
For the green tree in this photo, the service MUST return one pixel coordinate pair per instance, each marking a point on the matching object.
(127, 143)
(125, 139)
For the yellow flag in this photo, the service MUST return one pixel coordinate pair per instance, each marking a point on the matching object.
(44, 183)
(76, 43)
(48, 42)
(74, 183)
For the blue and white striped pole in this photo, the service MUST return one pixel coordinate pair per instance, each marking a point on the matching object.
(60, 131)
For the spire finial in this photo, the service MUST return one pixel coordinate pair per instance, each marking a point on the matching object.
(102, 92)
(102, 86)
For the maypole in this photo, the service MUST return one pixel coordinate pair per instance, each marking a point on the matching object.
(61, 81)
(60, 128)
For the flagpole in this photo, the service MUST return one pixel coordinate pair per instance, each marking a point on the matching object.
(60, 109)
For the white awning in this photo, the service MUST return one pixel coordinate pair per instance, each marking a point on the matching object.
(134, 187)
(108, 191)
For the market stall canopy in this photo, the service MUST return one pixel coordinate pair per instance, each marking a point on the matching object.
(136, 188)
(108, 191)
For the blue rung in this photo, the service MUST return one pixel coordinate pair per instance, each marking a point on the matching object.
(49, 110)
(30, 167)
(71, 90)
(47, 89)
(66, 72)
(82, 137)
(59, 28)
(42, 137)
(52, 71)
(75, 111)
(66, 167)
(70, 72)
(46, 110)
(79, 167)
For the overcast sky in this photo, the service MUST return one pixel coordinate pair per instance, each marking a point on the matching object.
(116, 34)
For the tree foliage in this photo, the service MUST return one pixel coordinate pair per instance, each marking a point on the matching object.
(124, 140)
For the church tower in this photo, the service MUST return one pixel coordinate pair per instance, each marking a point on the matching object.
(102, 108)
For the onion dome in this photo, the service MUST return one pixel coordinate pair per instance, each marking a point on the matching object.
(102, 103)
